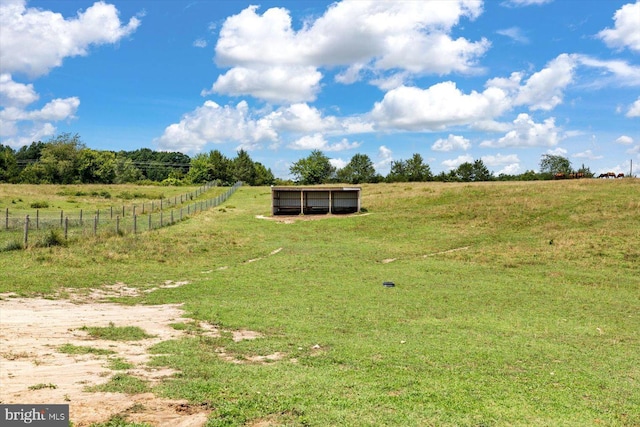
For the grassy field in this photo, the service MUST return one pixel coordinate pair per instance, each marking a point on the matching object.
(515, 304)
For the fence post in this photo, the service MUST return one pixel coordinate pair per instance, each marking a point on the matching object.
(134, 210)
(37, 219)
(149, 227)
(111, 210)
(152, 206)
(26, 231)
(66, 227)
(61, 218)
(80, 217)
(171, 217)
(117, 224)
(160, 204)
(135, 223)
(122, 211)
(160, 219)
(95, 225)
(180, 213)
(6, 220)
(98, 214)
(142, 208)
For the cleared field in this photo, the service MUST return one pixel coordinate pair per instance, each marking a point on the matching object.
(515, 304)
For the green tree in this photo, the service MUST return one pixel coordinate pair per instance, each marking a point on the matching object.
(481, 172)
(126, 171)
(551, 165)
(8, 165)
(200, 170)
(96, 167)
(314, 169)
(417, 170)
(360, 169)
(243, 168)
(59, 159)
(264, 176)
(398, 171)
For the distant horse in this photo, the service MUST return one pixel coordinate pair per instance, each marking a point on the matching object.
(607, 175)
(559, 175)
(620, 175)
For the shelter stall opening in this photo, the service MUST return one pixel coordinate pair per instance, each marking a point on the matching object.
(315, 200)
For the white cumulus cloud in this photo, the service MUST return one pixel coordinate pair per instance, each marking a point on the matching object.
(527, 133)
(625, 140)
(625, 32)
(437, 107)
(270, 60)
(34, 40)
(212, 123)
(634, 110)
(451, 143)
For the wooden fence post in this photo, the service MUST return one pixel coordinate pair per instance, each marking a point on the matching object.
(95, 225)
(66, 227)
(117, 224)
(37, 219)
(80, 217)
(111, 210)
(171, 217)
(6, 220)
(61, 218)
(149, 226)
(26, 231)
(160, 219)
(135, 223)
(122, 211)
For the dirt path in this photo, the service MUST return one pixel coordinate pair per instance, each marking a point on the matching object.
(32, 330)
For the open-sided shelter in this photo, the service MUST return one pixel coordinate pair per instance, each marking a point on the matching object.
(293, 200)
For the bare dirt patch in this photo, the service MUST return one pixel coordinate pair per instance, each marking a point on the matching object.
(33, 329)
(290, 219)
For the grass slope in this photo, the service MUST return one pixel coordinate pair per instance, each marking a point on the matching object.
(515, 304)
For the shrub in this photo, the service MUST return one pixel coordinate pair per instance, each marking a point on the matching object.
(13, 245)
(39, 205)
(52, 238)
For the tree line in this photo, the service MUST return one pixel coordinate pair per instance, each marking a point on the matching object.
(317, 169)
(66, 160)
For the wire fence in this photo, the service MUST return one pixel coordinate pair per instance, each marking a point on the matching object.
(39, 228)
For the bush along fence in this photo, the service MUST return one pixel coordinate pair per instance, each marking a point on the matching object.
(22, 232)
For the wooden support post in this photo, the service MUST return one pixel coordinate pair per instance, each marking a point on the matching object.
(66, 227)
(80, 217)
(6, 219)
(135, 224)
(37, 219)
(61, 218)
(95, 225)
(149, 226)
(26, 231)
(117, 224)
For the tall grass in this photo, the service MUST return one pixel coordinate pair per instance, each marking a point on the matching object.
(515, 304)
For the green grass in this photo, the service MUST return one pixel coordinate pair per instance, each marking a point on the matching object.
(516, 304)
(40, 386)
(119, 421)
(121, 383)
(78, 349)
(119, 364)
(116, 333)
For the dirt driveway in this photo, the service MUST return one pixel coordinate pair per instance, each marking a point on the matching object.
(33, 370)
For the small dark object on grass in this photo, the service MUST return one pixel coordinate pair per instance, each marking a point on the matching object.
(388, 284)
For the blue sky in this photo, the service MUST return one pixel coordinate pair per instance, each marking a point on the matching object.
(453, 80)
